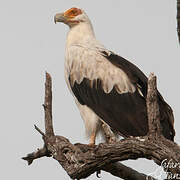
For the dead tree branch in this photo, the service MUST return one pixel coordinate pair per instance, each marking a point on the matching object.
(48, 106)
(153, 108)
(80, 160)
(124, 172)
(117, 168)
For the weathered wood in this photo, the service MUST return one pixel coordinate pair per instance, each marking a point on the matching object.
(153, 108)
(48, 106)
(124, 172)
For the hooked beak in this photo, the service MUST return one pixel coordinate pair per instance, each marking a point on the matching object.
(59, 18)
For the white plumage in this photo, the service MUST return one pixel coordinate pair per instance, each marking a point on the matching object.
(96, 77)
(83, 59)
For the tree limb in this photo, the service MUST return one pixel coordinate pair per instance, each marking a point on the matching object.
(153, 108)
(35, 155)
(117, 168)
(124, 172)
(48, 106)
(80, 160)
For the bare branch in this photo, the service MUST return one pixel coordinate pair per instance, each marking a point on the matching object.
(37, 154)
(118, 169)
(43, 135)
(124, 172)
(80, 160)
(48, 106)
(153, 108)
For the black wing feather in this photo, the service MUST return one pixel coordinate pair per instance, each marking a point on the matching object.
(139, 78)
(125, 113)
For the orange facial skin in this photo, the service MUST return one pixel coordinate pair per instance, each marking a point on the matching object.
(73, 12)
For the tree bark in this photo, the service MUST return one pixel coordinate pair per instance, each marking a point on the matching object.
(80, 160)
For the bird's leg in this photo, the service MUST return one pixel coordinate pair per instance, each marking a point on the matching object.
(92, 139)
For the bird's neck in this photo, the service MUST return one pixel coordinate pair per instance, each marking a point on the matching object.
(81, 34)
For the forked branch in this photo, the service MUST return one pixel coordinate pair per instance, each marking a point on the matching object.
(80, 160)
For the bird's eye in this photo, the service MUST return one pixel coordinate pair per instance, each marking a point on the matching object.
(73, 12)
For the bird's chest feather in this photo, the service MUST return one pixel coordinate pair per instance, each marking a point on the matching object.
(81, 63)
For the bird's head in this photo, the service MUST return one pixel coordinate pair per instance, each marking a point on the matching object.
(71, 17)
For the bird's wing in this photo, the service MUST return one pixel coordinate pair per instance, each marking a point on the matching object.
(140, 80)
(136, 76)
(108, 91)
(116, 90)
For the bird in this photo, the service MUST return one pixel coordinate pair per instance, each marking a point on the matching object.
(106, 87)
